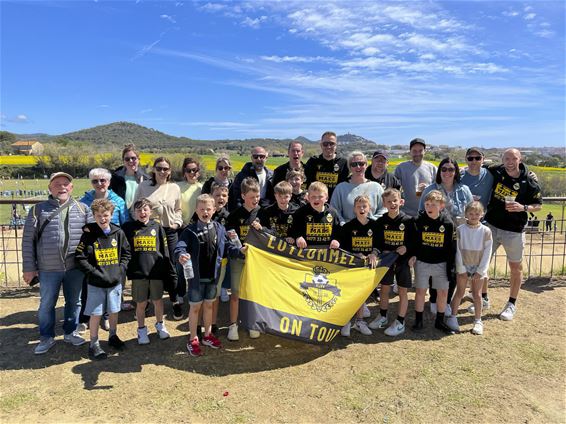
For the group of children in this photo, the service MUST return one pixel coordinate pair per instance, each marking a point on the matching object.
(138, 251)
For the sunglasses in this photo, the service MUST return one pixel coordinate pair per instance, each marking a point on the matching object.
(191, 170)
(471, 158)
(131, 159)
(449, 170)
(162, 169)
(223, 168)
(358, 164)
(99, 181)
(258, 156)
(328, 144)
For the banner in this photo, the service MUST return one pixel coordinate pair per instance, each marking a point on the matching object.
(303, 294)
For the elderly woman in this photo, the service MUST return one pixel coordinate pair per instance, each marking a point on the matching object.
(100, 180)
(126, 178)
(344, 194)
(457, 195)
(165, 197)
(190, 188)
(223, 170)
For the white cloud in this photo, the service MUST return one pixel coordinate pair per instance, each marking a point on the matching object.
(254, 23)
(144, 111)
(18, 119)
(168, 18)
(529, 16)
(510, 13)
(146, 49)
(102, 106)
(296, 59)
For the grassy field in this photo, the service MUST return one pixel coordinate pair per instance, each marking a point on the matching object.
(514, 373)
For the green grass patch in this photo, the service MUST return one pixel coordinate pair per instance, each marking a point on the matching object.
(11, 402)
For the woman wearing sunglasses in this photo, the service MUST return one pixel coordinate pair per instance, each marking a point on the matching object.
(190, 188)
(165, 197)
(456, 194)
(126, 178)
(222, 177)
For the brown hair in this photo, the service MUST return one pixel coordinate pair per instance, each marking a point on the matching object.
(102, 205)
(283, 188)
(129, 148)
(435, 196)
(250, 184)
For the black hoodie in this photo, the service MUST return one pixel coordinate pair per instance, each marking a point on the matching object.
(434, 241)
(103, 257)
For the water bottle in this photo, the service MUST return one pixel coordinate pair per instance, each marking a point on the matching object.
(234, 238)
(188, 269)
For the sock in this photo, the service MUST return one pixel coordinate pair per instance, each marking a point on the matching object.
(418, 316)
(383, 312)
(400, 319)
(111, 332)
(512, 300)
(439, 317)
(484, 296)
(93, 341)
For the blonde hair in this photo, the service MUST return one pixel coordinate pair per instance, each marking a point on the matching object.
(205, 198)
(435, 196)
(361, 198)
(390, 192)
(474, 206)
(102, 205)
(318, 186)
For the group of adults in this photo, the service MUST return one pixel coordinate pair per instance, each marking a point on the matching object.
(53, 228)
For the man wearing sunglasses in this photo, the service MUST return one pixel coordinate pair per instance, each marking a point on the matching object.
(328, 167)
(478, 179)
(257, 170)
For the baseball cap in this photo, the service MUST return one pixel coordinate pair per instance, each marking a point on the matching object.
(379, 153)
(417, 141)
(60, 174)
(474, 149)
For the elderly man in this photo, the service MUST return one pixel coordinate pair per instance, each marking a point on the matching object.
(255, 169)
(51, 234)
(415, 175)
(378, 171)
(515, 193)
(328, 168)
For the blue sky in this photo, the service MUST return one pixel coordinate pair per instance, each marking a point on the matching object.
(456, 73)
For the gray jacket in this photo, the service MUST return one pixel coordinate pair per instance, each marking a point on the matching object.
(55, 250)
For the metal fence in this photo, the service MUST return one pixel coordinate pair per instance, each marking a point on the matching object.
(544, 254)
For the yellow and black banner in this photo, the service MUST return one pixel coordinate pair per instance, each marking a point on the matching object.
(303, 294)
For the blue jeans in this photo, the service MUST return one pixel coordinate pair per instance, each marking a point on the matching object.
(49, 287)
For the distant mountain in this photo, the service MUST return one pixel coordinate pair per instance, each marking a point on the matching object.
(302, 139)
(353, 139)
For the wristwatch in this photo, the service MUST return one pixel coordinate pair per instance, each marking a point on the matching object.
(526, 207)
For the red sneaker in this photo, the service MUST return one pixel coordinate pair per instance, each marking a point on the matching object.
(194, 348)
(211, 341)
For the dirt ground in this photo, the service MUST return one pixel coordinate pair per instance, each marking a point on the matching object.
(514, 373)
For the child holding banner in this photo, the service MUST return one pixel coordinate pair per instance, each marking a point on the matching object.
(434, 257)
(238, 224)
(316, 224)
(356, 236)
(276, 219)
(150, 268)
(394, 233)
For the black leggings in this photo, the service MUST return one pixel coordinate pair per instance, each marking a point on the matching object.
(172, 238)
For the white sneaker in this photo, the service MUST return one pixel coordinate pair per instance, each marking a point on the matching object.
(224, 297)
(395, 329)
(379, 322)
(44, 345)
(161, 330)
(365, 311)
(452, 323)
(433, 309)
(345, 331)
(447, 310)
(508, 312)
(74, 339)
(478, 328)
(233, 333)
(468, 297)
(143, 338)
(361, 326)
(485, 305)
(254, 334)
(81, 328)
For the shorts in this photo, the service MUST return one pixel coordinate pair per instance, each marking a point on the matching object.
(236, 267)
(424, 271)
(469, 270)
(142, 290)
(205, 291)
(512, 242)
(402, 273)
(100, 300)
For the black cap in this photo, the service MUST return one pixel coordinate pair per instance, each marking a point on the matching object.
(474, 149)
(380, 153)
(417, 141)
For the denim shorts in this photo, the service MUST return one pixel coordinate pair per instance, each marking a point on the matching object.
(100, 300)
(513, 243)
(206, 291)
(424, 271)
